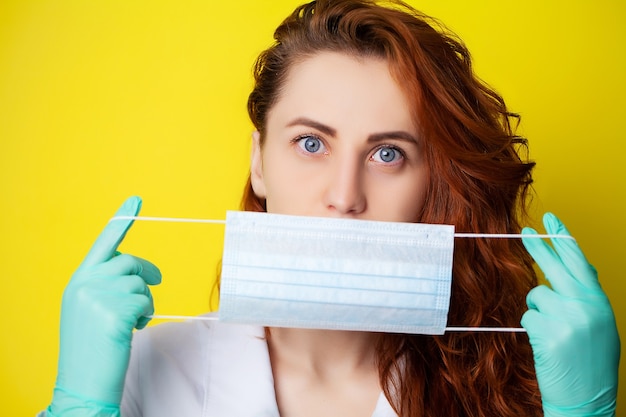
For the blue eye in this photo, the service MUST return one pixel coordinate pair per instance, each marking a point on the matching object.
(387, 154)
(311, 144)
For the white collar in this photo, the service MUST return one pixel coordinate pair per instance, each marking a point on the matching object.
(240, 379)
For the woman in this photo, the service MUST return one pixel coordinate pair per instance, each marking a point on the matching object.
(368, 112)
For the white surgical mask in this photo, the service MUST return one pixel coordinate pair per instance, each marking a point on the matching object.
(329, 273)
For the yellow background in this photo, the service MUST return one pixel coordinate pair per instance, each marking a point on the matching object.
(100, 100)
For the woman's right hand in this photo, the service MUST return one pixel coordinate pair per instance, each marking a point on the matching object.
(107, 297)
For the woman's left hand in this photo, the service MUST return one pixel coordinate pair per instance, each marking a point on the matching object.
(572, 330)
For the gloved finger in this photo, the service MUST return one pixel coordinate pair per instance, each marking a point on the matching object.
(137, 306)
(106, 244)
(119, 312)
(131, 265)
(545, 301)
(543, 334)
(532, 321)
(142, 322)
(149, 311)
(570, 253)
(550, 263)
(125, 284)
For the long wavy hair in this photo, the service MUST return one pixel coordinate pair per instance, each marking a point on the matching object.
(479, 182)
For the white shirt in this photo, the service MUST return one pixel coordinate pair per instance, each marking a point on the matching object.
(202, 369)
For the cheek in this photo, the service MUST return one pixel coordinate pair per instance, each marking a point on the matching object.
(402, 201)
(288, 187)
(411, 205)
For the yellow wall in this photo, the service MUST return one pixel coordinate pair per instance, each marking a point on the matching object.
(105, 99)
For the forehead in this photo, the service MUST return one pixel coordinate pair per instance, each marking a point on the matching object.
(342, 89)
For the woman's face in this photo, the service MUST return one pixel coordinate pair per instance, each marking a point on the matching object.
(341, 142)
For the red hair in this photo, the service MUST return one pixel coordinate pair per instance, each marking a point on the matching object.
(478, 182)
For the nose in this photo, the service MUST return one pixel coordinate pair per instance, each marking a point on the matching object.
(345, 191)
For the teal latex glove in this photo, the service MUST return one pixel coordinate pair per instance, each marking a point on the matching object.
(104, 301)
(572, 330)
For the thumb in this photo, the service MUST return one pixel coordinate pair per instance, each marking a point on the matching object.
(106, 244)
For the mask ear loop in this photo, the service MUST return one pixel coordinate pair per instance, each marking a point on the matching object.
(168, 219)
(459, 235)
(513, 236)
(447, 329)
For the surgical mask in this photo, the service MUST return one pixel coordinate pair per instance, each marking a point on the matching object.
(342, 274)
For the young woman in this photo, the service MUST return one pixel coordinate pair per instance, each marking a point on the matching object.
(368, 112)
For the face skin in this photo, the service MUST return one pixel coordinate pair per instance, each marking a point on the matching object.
(341, 142)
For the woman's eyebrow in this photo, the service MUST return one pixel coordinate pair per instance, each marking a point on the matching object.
(374, 137)
(396, 134)
(303, 121)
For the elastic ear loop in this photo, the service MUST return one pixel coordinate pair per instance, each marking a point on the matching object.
(459, 235)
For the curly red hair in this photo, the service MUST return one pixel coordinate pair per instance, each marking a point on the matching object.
(478, 182)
